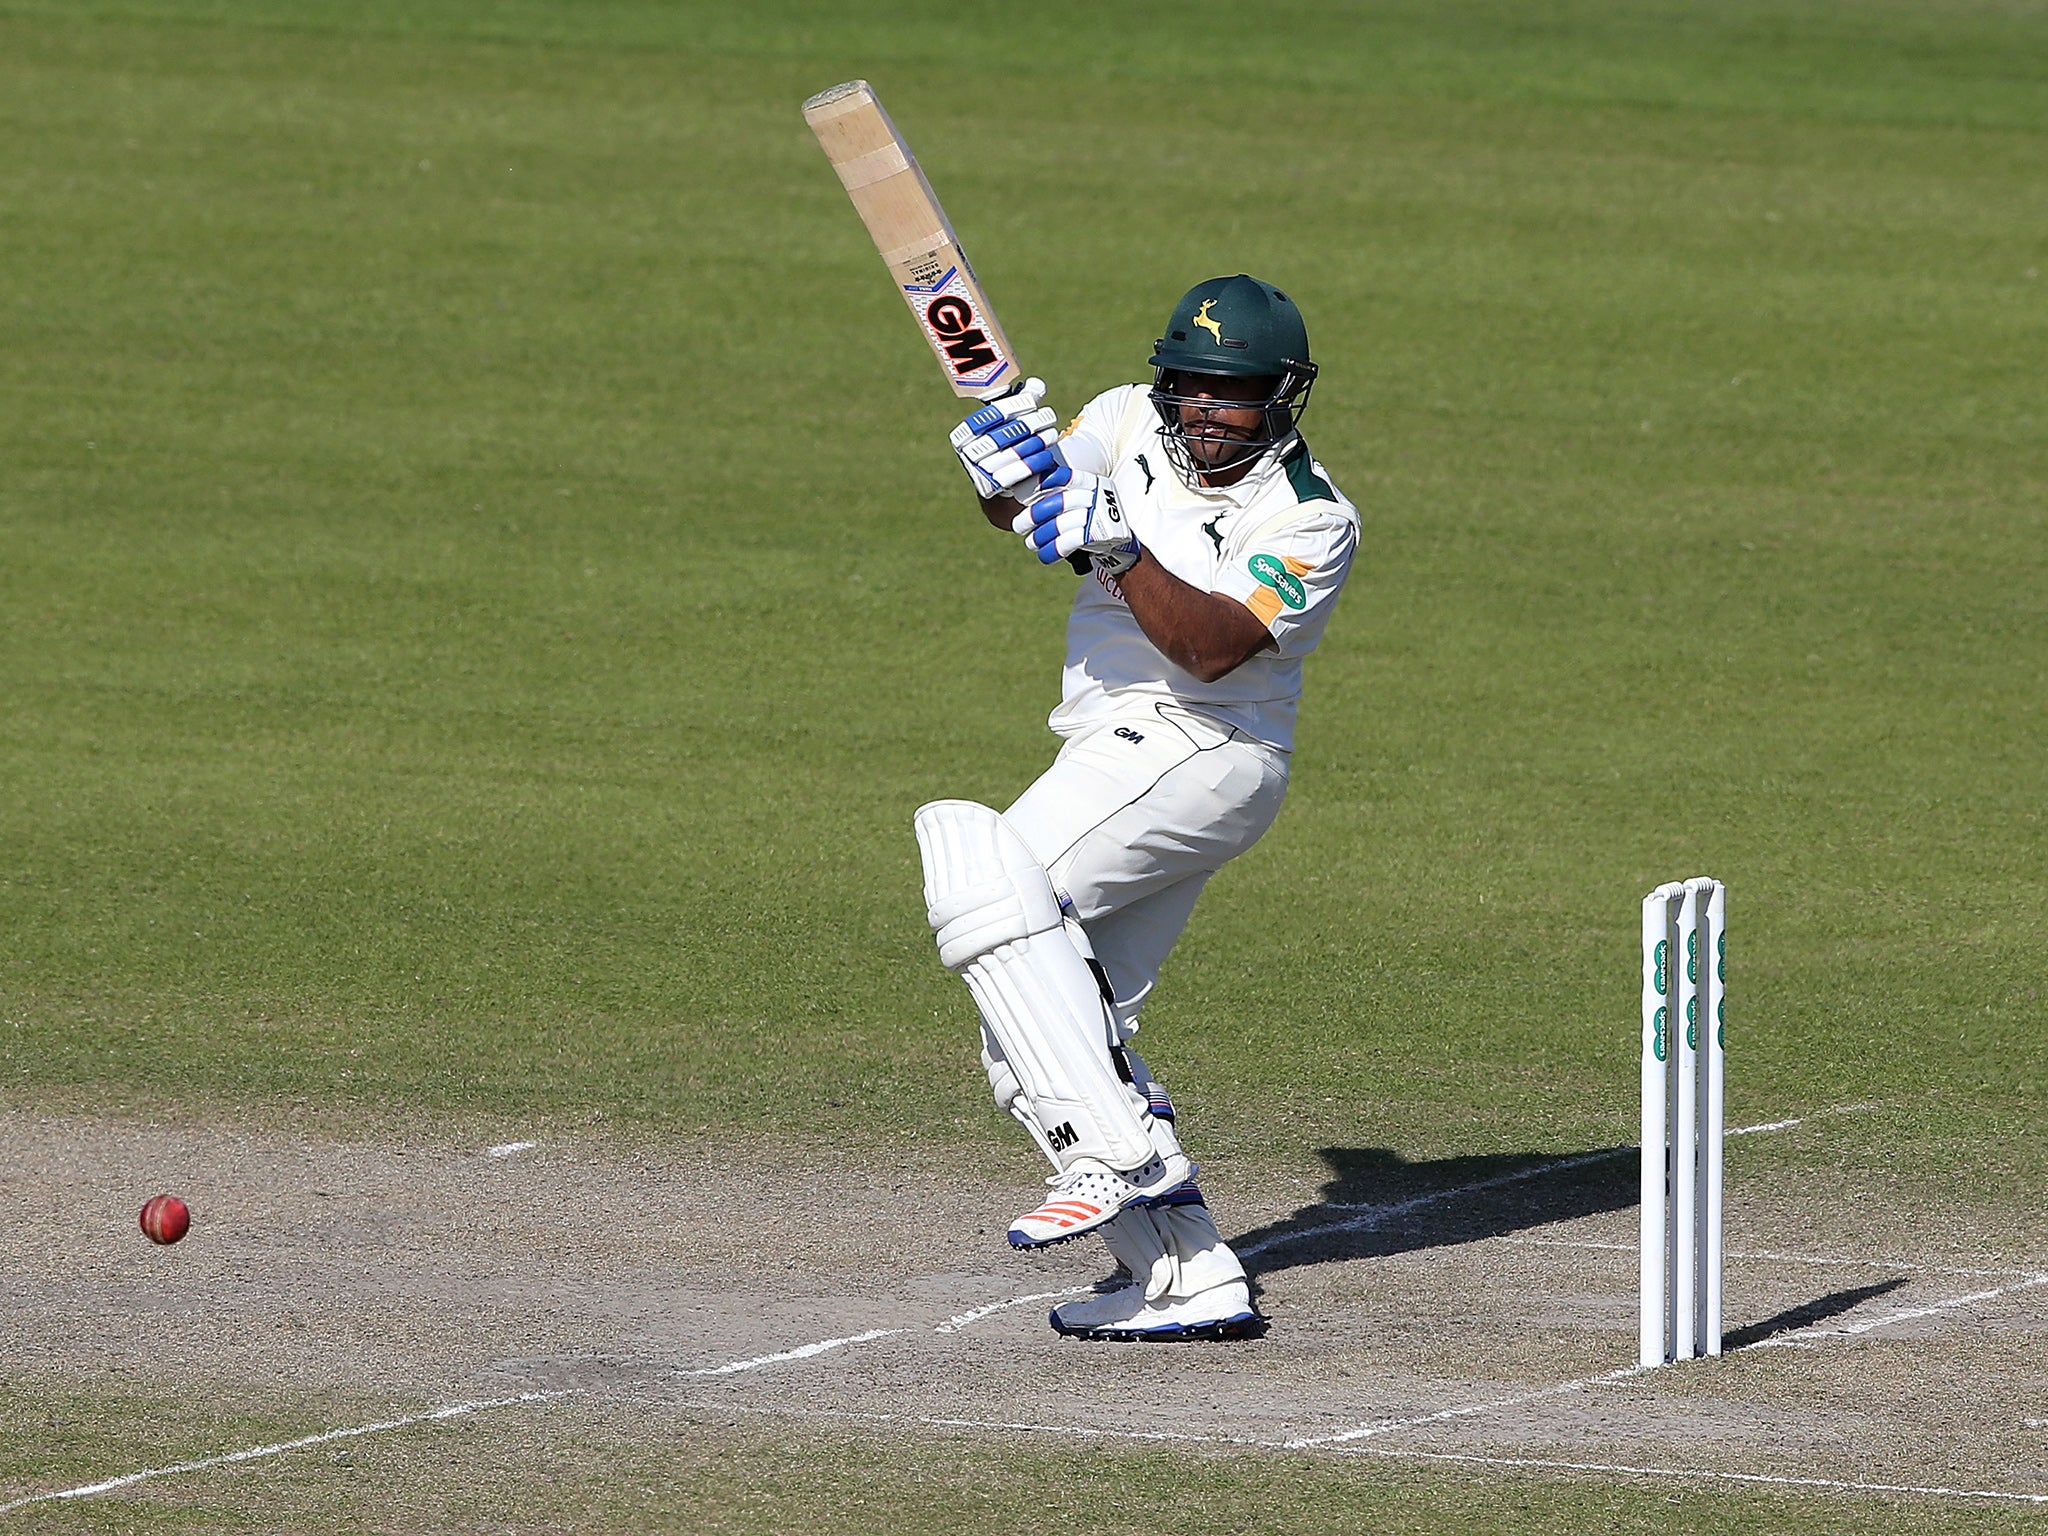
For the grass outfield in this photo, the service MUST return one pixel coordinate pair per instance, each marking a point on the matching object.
(575, 1470)
(570, 1469)
(484, 589)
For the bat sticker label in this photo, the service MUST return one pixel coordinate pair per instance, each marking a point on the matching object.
(965, 343)
(956, 332)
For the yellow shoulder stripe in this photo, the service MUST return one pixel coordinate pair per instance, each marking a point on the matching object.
(1265, 605)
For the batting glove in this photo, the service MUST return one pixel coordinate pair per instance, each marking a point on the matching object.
(1008, 445)
(1078, 514)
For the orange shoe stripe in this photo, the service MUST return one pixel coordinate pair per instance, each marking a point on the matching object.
(1069, 1211)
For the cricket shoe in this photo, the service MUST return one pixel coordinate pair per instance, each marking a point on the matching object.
(1089, 1193)
(1221, 1312)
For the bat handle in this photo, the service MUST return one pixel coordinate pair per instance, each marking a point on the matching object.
(1081, 563)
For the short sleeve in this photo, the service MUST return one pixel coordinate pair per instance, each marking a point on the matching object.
(1090, 439)
(1289, 577)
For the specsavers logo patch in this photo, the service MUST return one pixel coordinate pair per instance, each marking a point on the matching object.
(1270, 571)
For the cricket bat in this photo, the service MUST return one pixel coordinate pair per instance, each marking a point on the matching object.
(915, 238)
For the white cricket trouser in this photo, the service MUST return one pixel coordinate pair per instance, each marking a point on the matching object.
(1131, 820)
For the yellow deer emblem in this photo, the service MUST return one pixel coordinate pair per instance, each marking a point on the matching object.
(1214, 328)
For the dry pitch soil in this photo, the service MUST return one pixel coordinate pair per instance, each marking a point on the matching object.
(1489, 1315)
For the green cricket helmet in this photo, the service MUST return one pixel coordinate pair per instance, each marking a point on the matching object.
(1237, 328)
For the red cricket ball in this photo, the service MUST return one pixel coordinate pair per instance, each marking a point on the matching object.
(165, 1218)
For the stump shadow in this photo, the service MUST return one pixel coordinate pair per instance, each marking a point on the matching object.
(1807, 1313)
(1378, 1203)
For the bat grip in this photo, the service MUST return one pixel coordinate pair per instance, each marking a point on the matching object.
(1081, 563)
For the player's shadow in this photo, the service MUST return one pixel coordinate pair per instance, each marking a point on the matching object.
(1378, 1203)
(1807, 1313)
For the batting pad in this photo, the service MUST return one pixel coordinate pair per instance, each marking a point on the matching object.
(1009, 1094)
(1172, 1250)
(999, 928)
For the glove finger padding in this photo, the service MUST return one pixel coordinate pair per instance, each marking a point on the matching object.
(1020, 470)
(978, 446)
(1010, 444)
(1054, 526)
(1020, 400)
(1082, 516)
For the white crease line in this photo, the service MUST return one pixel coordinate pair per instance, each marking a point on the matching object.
(1374, 1215)
(1566, 1242)
(1026, 1427)
(1022, 1426)
(1445, 1415)
(1579, 1384)
(807, 1350)
(1854, 1330)
(1790, 1340)
(448, 1411)
(801, 1352)
(1774, 1125)
(2031, 1276)
(510, 1149)
(965, 1319)
(258, 1452)
(1794, 1340)
(1786, 1125)
(1766, 1255)
(1092, 1432)
(1771, 1479)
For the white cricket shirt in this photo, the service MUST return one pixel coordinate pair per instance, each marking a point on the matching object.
(1280, 541)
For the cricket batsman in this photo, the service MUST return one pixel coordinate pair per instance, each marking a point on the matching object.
(1213, 546)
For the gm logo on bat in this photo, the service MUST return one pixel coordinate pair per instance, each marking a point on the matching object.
(959, 334)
